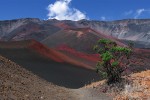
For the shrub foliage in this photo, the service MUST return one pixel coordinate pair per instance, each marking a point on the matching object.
(114, 60)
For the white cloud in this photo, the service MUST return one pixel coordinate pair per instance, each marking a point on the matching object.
(137, 13)
(103, 18)
(61, 10)
(140, 12)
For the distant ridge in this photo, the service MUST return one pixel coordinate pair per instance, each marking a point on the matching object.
(136, 30)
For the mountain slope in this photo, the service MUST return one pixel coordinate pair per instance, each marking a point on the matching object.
(24, 29)
(19, 83)
(136, 30)
(49, 64)
(81, 39)
(130, 29)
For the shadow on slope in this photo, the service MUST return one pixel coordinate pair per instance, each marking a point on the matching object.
(63, 74)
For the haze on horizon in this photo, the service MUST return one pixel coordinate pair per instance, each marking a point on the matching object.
(105, 10)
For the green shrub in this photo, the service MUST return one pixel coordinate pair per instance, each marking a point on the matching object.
(112, 57)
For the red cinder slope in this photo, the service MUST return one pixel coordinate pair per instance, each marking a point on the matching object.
(99, 34)
(89, 57)
(62, 25)
(81, 39)
(44, 51)
(54, 54)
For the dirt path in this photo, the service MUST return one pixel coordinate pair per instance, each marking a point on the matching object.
(91, 94)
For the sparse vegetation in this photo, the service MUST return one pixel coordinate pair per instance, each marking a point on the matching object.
(115, 60)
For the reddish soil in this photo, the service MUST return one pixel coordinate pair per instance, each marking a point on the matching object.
(55, 55)
(101, 35)
(62, 25)
(52, 54)
(43, 50)
(89, 57)
(17, 83)
(49, 64)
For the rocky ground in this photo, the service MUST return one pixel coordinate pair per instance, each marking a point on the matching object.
(134, 87)
(138, 89)
(17, 83)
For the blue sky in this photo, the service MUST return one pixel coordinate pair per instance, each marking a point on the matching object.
(75, 9)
